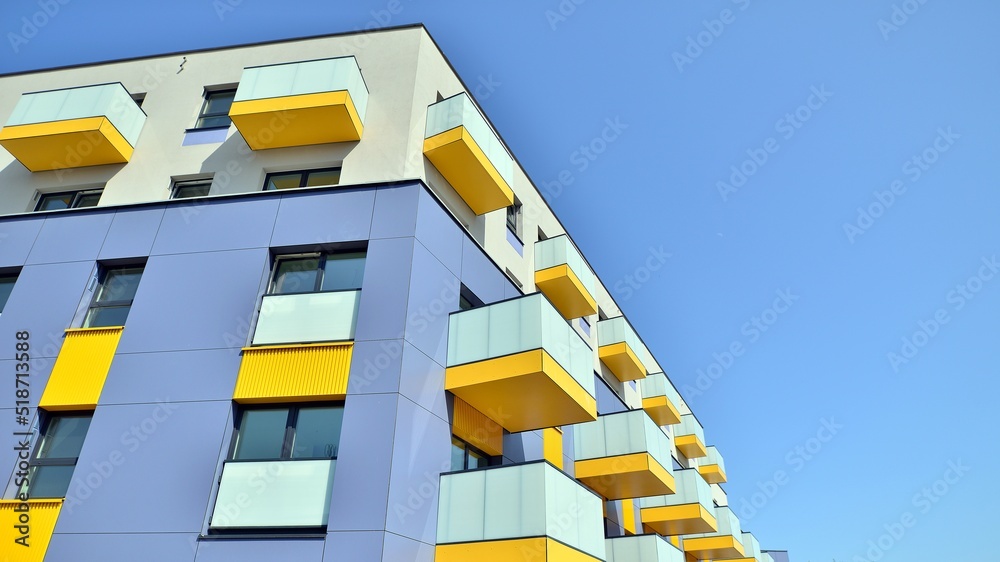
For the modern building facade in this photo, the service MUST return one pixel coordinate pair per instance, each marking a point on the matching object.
(297, 300)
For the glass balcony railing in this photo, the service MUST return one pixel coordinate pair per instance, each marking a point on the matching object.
(521, 364)
(689, 437)
(274, 494)
(723, 543)
(642, 548)
(765, 557)
(660, 399)
(751, 548)
(73, 127)
(307, 317)
(529, 511)
(711, 467)
(565, 278)
(301, 103)
(689, 510)
(621, 350)
(468, 153)
(623, 455)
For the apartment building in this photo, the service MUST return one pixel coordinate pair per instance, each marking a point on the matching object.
(298, 300)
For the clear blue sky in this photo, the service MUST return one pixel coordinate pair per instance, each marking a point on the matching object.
(924, 86)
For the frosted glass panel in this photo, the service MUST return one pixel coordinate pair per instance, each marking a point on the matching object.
(643, 548)
(713, 457)
(691, 488)
(559, 251)
(310, 77)
(106, 100)
(729, 524)
(274, 494)
(750, 546)
(690, 426)
(617, 330)
(309, 317)
(657, 384)
(623, 433)
(458, 111)
(461, 507)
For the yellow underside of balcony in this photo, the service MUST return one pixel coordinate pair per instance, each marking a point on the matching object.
(712, 473)
(42, 515)
(714, 548)
(523, 391)
(80, 369)
(562, 286)
(690, 446)
(540, 548)
(622, 361)
(661, 410)
(301, 120)
(293, 373)
(637, 475)
(472, 426)
(71, 143)
(467, 168)
(684, 519)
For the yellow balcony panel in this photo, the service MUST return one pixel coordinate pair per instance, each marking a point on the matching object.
(300, 120)
(542, 549)
(690, 446)
(622, 361)
(552, 446)
(475, 428)
(293, 373)
(670, 520)
(41, 514)
(713, 473)
(721, 547)
(522, 392)
(80, 369)
(75, 143)
(626, 476)
(661, 410)
(566, 291)
(466, 167)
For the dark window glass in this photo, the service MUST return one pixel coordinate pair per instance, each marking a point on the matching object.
(64, 437)
(317, 433)
(55, 202)
(50, 481)
(323, 272)
(193, 188)
(305, 178)
(283, 181)
(323, 177)
(296, 275)
(113, 299)
(343, 272)
(466, 457)
(68, 200)
(215, 111)
(51, 466)
(87, 200)
(296, 432)
(6, 286)
(457, 454)
(262, 434)
(513, 218)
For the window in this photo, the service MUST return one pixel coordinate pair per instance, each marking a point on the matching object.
(514, 218)
(314, 273)
(51, 467)
(215, 112)
(139, 98)
(6, 286)
(288, 433)
(466, 457)
(191, 188)
(69, 200)
(467, 299)
(307, 178)
(113, 299)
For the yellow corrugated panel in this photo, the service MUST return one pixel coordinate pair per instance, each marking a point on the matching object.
(473, 427)
(82, 366)
(290, 373)
(37, 530)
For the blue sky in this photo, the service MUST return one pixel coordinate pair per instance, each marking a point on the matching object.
(821, 177)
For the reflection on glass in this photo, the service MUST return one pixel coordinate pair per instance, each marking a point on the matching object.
(261, 435)
(317, 433)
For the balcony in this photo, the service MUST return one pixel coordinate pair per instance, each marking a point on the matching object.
(689, 438)
(307, 318)
(518, 512)
(642, 548)
(81, 368)
(751, 550)
(73, 128)
(464, 148)
(623, 455)
(722, 544)
(564, 277)
(711, 466)
(519, 363)
(765, 557)
(660, 399)
(295, 373)
(620, 349)
(296, 494)
(473, 427)
(43, 515)
(690, 510)
(301, 103)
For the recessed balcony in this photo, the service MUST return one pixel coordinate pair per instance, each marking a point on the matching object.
(519, 363)
(711, 466)
(565, 278)
(689, 437)
(642, 548)
(660, 399)
(623, 455)
(621, 350)
(518, 512)
(296, 494)
(81, 368)
(307, 318)
(73, 128)
(301, 103)
(722, 544)
(464, 148)
(689, 510)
